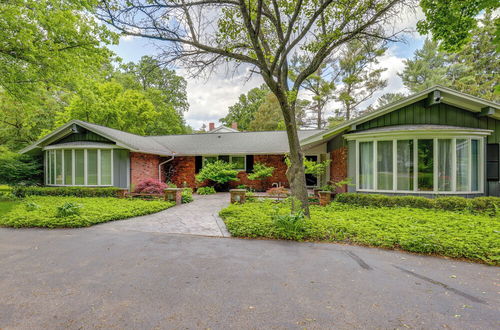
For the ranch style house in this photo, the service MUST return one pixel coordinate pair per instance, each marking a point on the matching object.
(438, 141)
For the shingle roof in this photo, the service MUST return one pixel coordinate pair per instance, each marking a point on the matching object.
(274, 142)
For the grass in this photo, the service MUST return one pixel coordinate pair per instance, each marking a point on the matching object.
(427, 231)
(41, 211)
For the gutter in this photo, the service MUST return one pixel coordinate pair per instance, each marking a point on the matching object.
(161, 164)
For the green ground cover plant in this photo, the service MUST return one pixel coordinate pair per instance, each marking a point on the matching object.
(187, 195)
(205, 191)
(70, 212)
(428, 231)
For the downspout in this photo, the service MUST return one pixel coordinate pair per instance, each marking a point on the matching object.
(160, 165)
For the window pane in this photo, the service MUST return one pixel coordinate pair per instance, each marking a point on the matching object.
(68, 167)
(59, 169)
(462, 165)
(79, 168)
(475, 165)
(224, 158)
(207, 160)
(444, 164)
(425, 165)
(384, 165)
(50, 165)
(238, 162)
(92, 167)
(106, 167)
(366, 165)
(405, 164)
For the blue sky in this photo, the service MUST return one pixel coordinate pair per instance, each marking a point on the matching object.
(209, 98)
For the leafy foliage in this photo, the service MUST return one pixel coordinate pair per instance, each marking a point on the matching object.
(289, 225)
(68, 209)
(473, 69)
(31, 206)
(93, 211)
(219, 172)
(150, 186)
(451, 21)
(18, 169)
(23, 191)
(261, 171)
(427, 231)
(187, 195)
(481, 205)
(243, 111)
(205, 191)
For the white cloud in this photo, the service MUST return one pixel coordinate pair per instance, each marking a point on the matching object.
(210, 98)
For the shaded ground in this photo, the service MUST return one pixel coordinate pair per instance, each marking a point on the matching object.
(200, 217)
(99, 277)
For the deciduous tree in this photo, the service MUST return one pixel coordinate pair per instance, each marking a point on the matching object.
(261, 33)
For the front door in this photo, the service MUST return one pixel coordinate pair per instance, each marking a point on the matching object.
(311, 180)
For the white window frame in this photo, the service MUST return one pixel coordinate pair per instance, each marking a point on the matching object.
(434, 138)
(230, 160)
(51, 151)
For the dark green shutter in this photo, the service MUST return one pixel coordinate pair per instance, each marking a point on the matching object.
(198, 163)
(249, 161)
(492, 162)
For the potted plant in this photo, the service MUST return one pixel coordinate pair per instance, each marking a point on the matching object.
(332, 187)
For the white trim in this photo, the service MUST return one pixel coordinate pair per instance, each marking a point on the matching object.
(85, 168)
(52, 153)
(82, 146)
(98, 167)
(435, 146)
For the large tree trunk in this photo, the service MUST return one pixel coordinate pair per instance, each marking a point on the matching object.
(295, 174)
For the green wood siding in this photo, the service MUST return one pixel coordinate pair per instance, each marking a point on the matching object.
(84, 136)
(439, 114)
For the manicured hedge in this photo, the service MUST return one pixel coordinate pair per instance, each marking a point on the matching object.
(23, 191)
(481, 205)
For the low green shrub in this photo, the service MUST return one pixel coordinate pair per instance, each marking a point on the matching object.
(31, 206)
(187, 195)
(68, 209)
(205, 191)
(23, 191)
(289, 225)
(428, 231)
(481, 205)
(93, 211)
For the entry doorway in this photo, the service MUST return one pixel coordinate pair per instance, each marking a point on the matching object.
(311, 180)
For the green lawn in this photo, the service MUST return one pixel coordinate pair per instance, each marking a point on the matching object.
(92, 211)
(458, 235)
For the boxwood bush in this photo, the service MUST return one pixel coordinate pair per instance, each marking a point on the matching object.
(23, 191)
(482, 205)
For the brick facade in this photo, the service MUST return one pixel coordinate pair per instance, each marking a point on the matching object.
(338, 167)
(143, 166)
(182, 172)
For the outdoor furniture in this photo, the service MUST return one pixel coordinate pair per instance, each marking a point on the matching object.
(174, 195)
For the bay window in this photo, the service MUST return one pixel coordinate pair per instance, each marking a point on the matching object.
(423, 164)
(79, 167)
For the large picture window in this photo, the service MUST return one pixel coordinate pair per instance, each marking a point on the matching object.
(79, 167)
(426, 165)
(238, 161)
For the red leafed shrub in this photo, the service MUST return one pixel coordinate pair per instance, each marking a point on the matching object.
(150, 186)
(278, 192)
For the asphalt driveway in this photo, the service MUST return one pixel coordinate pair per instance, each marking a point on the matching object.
(200, 217)
(99, 277)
